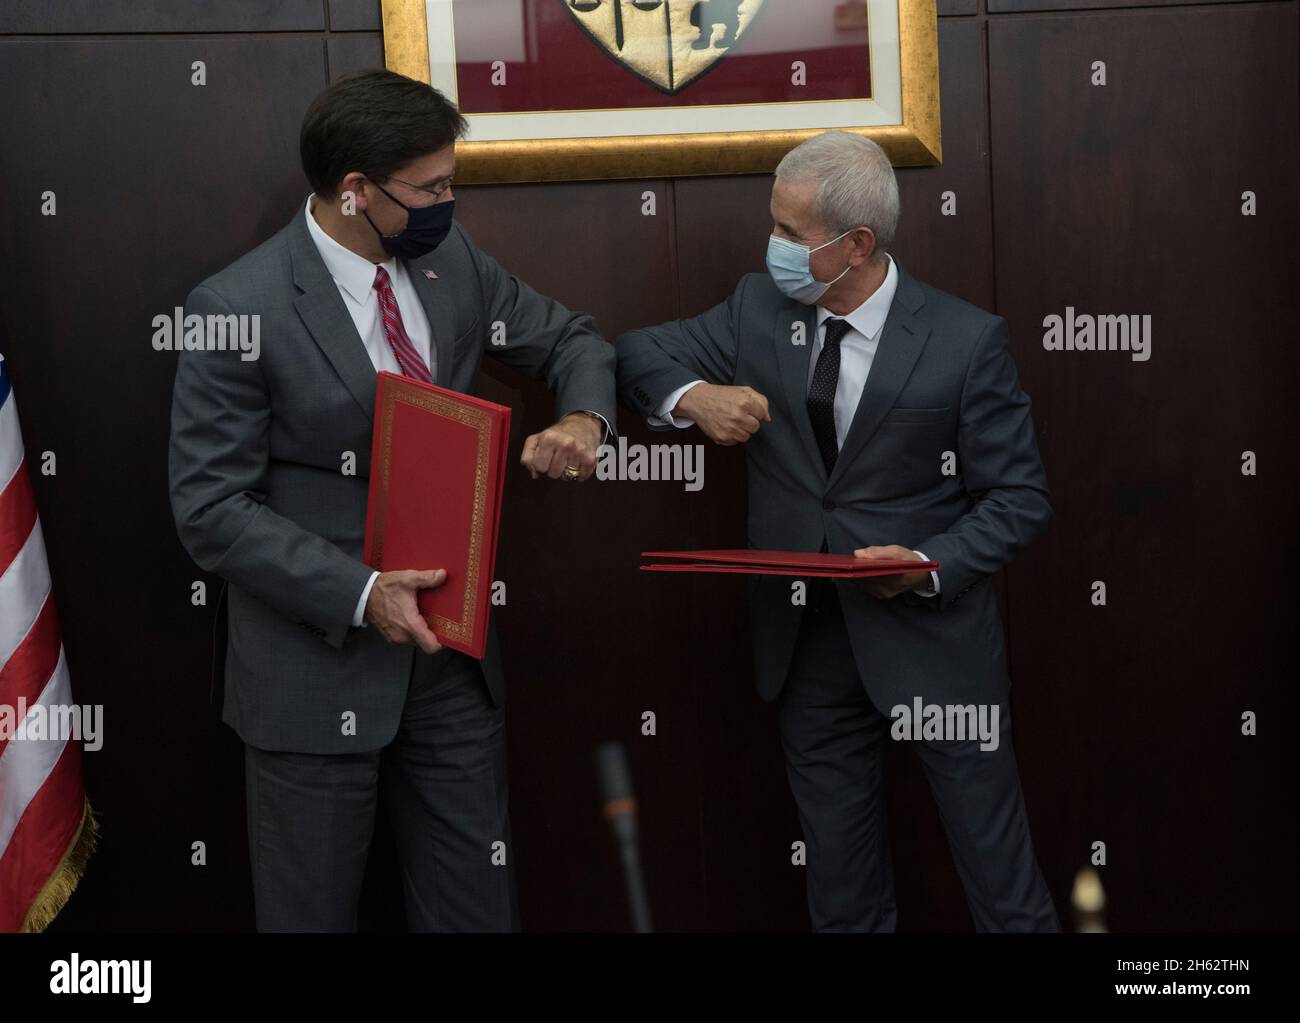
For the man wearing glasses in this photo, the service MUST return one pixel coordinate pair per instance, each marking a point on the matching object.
(338, 688)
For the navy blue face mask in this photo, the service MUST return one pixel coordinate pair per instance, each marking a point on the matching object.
(426, 227)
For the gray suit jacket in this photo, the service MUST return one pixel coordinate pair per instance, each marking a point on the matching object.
(257, 487)
(942, 381)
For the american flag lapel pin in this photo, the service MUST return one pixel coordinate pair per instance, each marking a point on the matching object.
(431, 275)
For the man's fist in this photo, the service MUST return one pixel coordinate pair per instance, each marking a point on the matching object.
(887, 586)
(391, 607)
(727, 415)
(572, 441)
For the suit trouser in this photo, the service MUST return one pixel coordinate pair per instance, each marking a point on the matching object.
(443, 778)
(835, 742)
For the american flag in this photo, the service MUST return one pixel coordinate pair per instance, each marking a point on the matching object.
(47, 829)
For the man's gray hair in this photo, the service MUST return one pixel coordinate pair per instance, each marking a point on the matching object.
(858, 186)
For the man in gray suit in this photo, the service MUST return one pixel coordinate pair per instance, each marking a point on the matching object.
(881, 417)
(337, 686)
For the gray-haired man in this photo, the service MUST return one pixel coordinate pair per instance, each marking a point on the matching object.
(853, 386)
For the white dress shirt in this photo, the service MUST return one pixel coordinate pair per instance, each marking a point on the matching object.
(354, 276)
(857, 352)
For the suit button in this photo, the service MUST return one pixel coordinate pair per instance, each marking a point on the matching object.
(828, 505)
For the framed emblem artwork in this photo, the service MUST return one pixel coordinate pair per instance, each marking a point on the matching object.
(584, 89)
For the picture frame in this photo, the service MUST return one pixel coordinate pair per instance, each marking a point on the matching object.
(613, 89)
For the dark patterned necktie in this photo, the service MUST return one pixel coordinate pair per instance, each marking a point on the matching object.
(821, 395)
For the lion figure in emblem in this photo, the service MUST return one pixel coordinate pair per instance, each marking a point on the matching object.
(708, 13)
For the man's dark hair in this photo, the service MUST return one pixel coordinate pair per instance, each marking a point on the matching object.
(373, 122)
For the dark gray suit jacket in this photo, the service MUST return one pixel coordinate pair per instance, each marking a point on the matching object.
(257, 487)
(942, 380)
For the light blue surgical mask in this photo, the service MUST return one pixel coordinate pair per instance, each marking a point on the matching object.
(787, 262)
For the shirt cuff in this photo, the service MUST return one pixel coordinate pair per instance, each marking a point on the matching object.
(664, 413)
(933, 587)
(359, 615)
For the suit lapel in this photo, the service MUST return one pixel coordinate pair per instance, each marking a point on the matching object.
(901, 342)
(793, 362)
(322, 310)
(438, 310)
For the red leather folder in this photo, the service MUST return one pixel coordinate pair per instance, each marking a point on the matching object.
(744, 561)
(437, 472)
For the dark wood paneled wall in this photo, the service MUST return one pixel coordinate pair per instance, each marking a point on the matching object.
(1123, 198)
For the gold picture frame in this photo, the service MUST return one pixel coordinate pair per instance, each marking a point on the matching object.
(914, 142)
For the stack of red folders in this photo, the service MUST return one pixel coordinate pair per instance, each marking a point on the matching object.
(437, 472)
(745, 561)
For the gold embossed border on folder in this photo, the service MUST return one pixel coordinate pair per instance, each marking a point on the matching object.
(912, 141)
(481, 423)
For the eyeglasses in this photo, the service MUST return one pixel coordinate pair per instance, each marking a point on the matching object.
(435, 192)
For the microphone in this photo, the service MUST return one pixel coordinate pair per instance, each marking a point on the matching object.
(615, 780)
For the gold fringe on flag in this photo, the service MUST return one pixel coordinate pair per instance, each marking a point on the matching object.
(54, 894)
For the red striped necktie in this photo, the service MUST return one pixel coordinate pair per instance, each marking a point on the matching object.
(403, 350)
